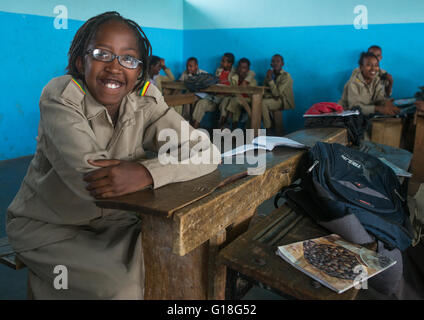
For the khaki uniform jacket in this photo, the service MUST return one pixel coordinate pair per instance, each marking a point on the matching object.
(282, 89)
(381, 72)
(357, 92)
(52, 203)
(234, 78)
(157, 80)
(184, 75)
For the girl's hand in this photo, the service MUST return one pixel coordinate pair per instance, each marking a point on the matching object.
(269, 74)
(116, 178)
(388, 108)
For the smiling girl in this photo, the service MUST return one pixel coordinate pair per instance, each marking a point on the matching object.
(364, 89)
(96, 123)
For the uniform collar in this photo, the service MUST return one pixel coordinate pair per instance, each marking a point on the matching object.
(93, 108)
(282, 72)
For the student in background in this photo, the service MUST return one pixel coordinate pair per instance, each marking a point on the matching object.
(281, 95)
(364, 89)
(243, 77)
(192, 68)
(210, 102)
(385, 77)
(156, 64)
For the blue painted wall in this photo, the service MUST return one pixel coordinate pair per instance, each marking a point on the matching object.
(226, 14)
(320, 59)
(316, 38)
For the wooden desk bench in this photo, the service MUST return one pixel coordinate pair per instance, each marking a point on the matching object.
(173, 100)
(253, 255)
(185, 224)
(417, 164)
(387, 131)
(255, 91)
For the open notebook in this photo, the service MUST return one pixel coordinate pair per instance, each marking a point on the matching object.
(334, 262)
(264, 143)
(333, 114)
(398, 171)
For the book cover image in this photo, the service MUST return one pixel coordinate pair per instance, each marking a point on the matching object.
(334, 262)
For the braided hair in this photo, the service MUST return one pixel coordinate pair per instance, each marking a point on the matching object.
(87, 32)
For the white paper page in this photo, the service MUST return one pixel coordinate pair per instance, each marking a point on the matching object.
(398, 171)
(334, 114)
(271, 142)
(240, 150)
(201, 95)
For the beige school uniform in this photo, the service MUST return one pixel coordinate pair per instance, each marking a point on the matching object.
(281, 96)
(184, 110)
(381, 72)
(157, 80)
(53, 219)
(169, 76)
(210, 103)
(184, 76)
(357, 92)
(235, 104)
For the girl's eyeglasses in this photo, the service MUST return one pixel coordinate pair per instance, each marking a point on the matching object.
(126, 61)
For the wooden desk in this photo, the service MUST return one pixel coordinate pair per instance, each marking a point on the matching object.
(173, 100)
(417, 163)
(387, 131)
(185, 224)
(255, 92)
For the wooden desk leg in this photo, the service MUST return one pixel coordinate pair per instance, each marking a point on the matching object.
(417, 163)
(217, 272)
(255, 121)
(278, 122)
(169, 276)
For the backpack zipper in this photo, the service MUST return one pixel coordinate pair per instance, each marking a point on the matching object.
(313, 166)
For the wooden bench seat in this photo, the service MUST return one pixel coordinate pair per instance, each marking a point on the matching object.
(173, 100)
(253, 254)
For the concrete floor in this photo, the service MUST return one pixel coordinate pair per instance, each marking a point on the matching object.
(13, 283)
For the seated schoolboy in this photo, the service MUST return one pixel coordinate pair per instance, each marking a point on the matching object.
(364, 89)
(243, 77)
(280, 96)
(192, 68)
(210, 102)
(156, 64)
(96, 124)
(385, 77)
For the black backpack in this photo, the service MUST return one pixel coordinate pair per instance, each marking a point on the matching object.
(200, 81)
(356, 125)
(339, 181)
